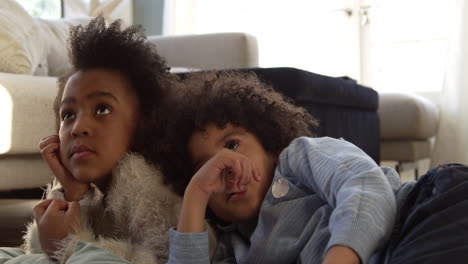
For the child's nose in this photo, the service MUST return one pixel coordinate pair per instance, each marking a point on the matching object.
(81, 127)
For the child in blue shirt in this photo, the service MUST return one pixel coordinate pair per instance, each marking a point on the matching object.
(238, 154)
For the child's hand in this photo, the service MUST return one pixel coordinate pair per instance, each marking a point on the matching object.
(50, 149)
(56, 219)
(341, 255)
(226, 172)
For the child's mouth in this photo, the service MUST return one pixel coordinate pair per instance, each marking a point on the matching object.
(81, 151)
(237, 196)
(82, 154)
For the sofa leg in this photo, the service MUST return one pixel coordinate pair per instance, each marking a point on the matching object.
(402, 166)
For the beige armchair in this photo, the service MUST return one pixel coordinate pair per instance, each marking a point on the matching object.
(407, 124)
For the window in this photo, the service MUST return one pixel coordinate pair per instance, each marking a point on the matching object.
(311, 35)
(406, 44)
(390, 45)
(43, 8)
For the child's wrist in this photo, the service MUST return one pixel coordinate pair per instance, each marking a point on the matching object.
(341, 254)
(192, 216)
(73, 196)
(194, 191)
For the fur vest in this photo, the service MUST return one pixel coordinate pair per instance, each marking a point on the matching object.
(131, 221)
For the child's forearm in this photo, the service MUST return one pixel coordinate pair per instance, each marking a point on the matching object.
(192, 215)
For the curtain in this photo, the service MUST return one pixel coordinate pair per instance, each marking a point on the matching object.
(109, 9)
(451, 143)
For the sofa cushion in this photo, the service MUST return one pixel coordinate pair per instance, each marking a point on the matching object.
(33, 170)
(22, 50)
(208, 51)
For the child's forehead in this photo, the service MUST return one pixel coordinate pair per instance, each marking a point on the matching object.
(213, 130)
(97, 81)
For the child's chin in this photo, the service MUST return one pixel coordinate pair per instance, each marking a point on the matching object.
(87, 176)
(83, 179)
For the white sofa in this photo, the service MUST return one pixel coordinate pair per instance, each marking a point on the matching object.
(26, 116)
(408, 123)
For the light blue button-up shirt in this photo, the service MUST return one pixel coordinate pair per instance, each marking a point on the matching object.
(325, 192)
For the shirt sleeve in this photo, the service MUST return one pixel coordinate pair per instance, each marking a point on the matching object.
(190, 248)
(91, 254)
(341, 174)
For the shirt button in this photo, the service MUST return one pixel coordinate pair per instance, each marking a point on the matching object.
(280, 188)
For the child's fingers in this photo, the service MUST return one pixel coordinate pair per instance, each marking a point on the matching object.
(56, 206)
(239, 176)
(49, 149)
(73, 209)
(225, 172)
(49, 153)
(246, 174)
(47, 140)
(40, 208)
(256, 175)
(232, 174)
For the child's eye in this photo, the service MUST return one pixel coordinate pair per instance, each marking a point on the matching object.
(103, 110)
(67, 115)
(232, 144)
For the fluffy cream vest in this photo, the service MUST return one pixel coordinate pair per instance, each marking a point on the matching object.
(131, 221)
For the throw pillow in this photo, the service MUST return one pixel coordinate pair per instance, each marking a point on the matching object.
(22, 50)
(55, 33)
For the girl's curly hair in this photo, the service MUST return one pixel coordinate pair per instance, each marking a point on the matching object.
(227, 97)
(128, 52)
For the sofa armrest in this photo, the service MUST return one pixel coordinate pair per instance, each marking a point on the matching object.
(407, 116)
(208, 51)
(26, 112)
(26, 116)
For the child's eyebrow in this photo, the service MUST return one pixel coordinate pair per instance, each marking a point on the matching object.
(235, 132)
(102, 94)
(69, 100)
(197, 165)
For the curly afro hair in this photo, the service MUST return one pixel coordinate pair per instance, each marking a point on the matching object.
(226, 97)
(127, 52)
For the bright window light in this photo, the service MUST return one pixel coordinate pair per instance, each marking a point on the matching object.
(50, 9)
(390, 45)
(408, 44)
(6, 110)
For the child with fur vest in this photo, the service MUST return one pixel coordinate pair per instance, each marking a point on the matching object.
(107, 190)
